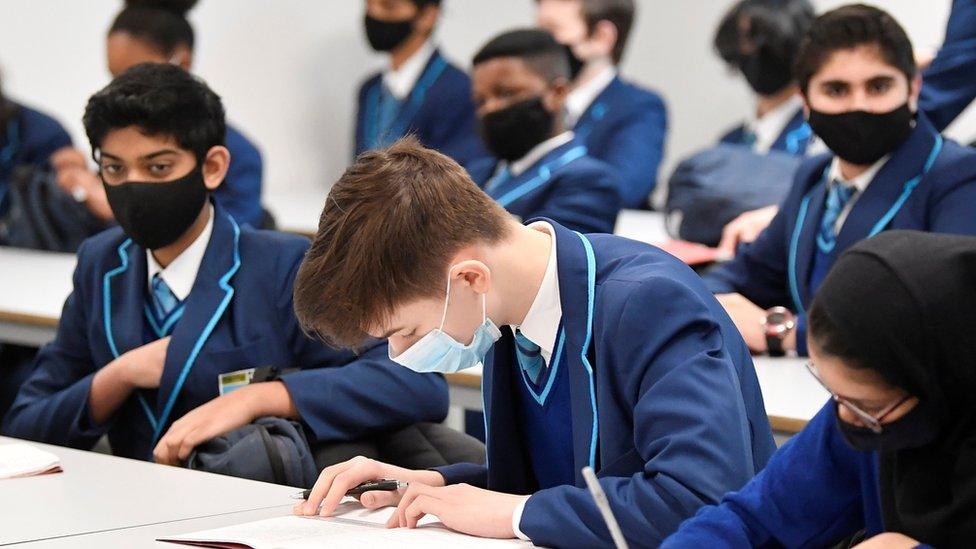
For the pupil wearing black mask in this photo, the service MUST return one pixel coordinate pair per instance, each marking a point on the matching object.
(400, 27)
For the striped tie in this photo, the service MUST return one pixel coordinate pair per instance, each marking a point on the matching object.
(838, 197)
(529, 356)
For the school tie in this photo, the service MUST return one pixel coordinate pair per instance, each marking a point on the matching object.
(389, 109)
(499, 179)
(839, 195)
(529, 356)
(164, 300)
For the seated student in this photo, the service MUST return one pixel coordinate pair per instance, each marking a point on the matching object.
(620, 122)
(949, 82)
(180, 294)
(540, 170)
(760, 39)
(421, 93)
(890, 169)
(891, 339)
(157, 31)
(599, 351)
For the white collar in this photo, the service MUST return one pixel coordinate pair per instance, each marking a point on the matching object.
(860, 182)
(536, 153)
(182, 272)
(768, 127)
(400, 82)
(542, 321)
(584, 95)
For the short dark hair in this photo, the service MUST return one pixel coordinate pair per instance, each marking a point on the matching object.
(778, 25)
(161, 23)
(389, 228)
(424, 3)
(619, 12)
(848, 27)
(536, 47)
(159, 99)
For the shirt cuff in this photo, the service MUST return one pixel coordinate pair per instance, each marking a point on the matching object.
(517, 519)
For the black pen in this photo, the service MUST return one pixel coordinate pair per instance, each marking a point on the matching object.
(382, 485)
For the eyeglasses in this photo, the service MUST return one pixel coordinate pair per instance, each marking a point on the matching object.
(872, 421)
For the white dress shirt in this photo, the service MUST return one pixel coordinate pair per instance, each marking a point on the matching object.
(401, 81)
(519, 166)
(583, 96)
(768, 127)
(182, 272)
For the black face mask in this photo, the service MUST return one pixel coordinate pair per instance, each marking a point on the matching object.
(862, 137)
(511, 132)
(575, 63)
(765, 72)
(155, 215)
(387, 35)
(914, 429)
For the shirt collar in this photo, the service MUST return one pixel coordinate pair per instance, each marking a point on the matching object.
(541, 323)
(768, 127)
(860, 182)
(584, 95)
(540, 150)
(182, 272)
(401, 81)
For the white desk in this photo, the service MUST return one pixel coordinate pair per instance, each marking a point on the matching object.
(98, 493)
(791, 395)
(33, 287)
(296, 212)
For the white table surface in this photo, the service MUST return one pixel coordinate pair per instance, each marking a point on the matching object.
(33, 287)
(791, 395)
(641, 225)
(98, 492)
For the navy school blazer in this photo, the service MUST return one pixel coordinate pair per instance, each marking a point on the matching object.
(238, 315)
(775, 269)
(665, 404)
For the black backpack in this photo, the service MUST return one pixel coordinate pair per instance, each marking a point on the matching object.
(712, 187)
(39, 215)
(270, 450)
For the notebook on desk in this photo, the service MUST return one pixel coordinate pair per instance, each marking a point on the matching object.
(352, 527)
(24, 460)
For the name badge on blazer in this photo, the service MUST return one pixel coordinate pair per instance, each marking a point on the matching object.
(232, 381)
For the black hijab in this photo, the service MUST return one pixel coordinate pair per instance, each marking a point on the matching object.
(904, 304)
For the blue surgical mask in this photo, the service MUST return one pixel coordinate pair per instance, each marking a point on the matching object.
(438, 352)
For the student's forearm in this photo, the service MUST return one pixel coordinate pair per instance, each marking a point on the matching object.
(109, 390)
(270, 399)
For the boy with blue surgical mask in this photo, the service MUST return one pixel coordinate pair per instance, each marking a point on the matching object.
(598, 351)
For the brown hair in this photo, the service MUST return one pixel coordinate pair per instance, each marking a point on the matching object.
(390, 226)
(618, 12)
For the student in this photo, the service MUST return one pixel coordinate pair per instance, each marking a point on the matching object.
(620, 122)
(891, 339)
(890, 169)
(760, 39)
(157, 31)
(27, 137)
(540, 169)
(599, 351)
(181, 294)
(420, 93)
(949, 81)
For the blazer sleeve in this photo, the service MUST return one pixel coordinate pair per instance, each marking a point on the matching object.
(342, 395)
(52, 405)
(691, 427)
(585, 200)
(949, 83)
(809, 495)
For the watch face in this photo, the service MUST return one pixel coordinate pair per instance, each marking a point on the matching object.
(775, 318)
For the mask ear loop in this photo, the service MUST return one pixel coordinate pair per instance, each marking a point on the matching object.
(447, 301)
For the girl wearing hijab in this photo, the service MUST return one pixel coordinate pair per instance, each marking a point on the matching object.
(892, 459)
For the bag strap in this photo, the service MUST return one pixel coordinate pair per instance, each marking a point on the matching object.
(274, 457)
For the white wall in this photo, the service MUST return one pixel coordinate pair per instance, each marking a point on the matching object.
(288, 69)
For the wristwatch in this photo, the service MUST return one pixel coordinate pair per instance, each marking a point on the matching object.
(777, 324)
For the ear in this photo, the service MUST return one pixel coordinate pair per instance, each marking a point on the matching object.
(182, 57)
(915, 87)
(471, 272)
(555, 99)
(604, 37)
(215, 166)
(427, 20)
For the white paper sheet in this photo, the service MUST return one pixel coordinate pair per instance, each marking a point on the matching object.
(23, 460)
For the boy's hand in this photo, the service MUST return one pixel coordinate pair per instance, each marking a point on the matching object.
(460, 507)
(745, 229)
(888, 540)
(335, 481)
(142, 367)
(217, 417)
